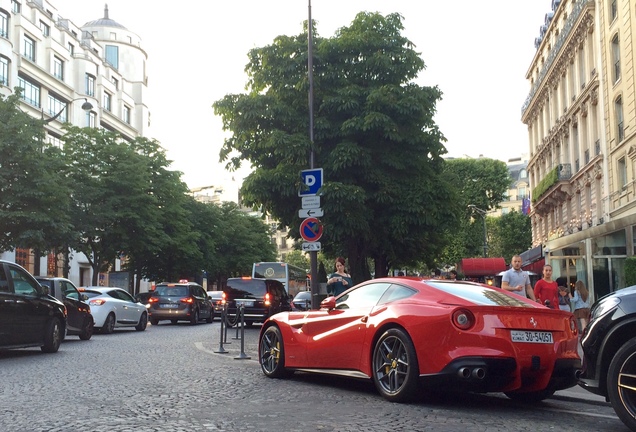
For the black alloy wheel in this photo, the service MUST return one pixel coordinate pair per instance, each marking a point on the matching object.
(53, 336)
(272, 353)
(143, 322)
(621, 383)
(109, 324)
(87, 329)
(395, 366)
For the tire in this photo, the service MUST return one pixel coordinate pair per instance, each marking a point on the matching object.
(174, 321)
(87, 329)
(154, 321)
(210, 318)
(271, 352)
(143, 322)
(109, 324)
(531, 397)
(194, 318)
(621, 383)
(53, 336)
(395, 366)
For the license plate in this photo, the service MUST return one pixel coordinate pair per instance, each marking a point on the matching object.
(245, 303)
(531, 336)
(169, 306)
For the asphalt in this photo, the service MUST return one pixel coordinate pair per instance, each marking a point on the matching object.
(578, 393)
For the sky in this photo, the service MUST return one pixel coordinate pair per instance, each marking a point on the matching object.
(477, 53)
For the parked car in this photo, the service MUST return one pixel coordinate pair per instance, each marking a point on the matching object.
(79, 321)
(411, 336)
(180, 301)
(114, 307)
(29, 317)
(302, 301)
(216, 297)
(144, 298)
(609, 353)
(260, 298)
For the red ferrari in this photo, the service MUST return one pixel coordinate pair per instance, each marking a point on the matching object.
(416, 335)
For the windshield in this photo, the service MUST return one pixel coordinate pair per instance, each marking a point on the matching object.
(241, 288)
(270, 270)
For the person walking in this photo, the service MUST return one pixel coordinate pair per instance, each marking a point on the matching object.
(339, 281)
(581, 304)
(546, 291)
(564, 299)
(516, 280)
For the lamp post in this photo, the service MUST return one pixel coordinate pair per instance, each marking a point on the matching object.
(86, 106)
(483, 215)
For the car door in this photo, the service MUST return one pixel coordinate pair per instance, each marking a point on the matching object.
(8, 313)
(71, 299)
(202, 301)
(29, 314)
(335, 338)
(131, 310)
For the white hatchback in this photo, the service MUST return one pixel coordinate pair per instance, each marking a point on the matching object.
(114, 308)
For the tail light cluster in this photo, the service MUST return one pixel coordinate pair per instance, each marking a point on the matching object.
(153, 299)
(223, 298)
(463, 319)
(97, 302)
(268, 300)
(573, 326)
(188, 300)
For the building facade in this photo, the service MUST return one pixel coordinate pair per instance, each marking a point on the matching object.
(580, 117)
(92, 75)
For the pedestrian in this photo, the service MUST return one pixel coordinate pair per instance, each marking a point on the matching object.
(400, 273)
(546, 291)
(453, 274)
(581, 304)
(517, 280)
(339, 281)
(564, 299)
(437, 274)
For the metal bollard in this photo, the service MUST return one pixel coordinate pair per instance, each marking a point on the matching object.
(225, 341)
(242, 355)
(239, 308)
(222, 350)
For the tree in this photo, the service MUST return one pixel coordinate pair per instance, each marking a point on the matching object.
(511, 234)
(34, 196)
(298, 259)
(375, 138)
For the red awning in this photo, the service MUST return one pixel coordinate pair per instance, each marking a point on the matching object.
(476, 267)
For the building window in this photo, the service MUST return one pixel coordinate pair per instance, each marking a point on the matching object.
(58, 68)
(4, 24)
(46, 29)
(71, 48)
(107, 101)
(115, 81)
(16, 7)
(622, 172)
(90, 85)
(22, 257)
(90, 119)
(4, 71)
(613, 10)
(616, 59)
(28, 48)
(112, 56)
(522, 193)
(620, 126)
(57, 105)
(127, 114)
(54, 141)
(30, 92)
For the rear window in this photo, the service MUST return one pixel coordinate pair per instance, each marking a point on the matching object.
(238, 288)
(91, 294)
(477, 294)
(172, 290)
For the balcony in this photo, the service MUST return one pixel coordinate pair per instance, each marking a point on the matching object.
(552, 190)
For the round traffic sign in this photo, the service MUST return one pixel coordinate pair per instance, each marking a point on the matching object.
(311, 229)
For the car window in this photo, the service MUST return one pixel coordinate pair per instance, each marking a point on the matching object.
(396, 292)
(479, 294)
(172, 290)
(365, 296)
(91, 294)
(121, 295)
(4, 281)
(242, 287)
(69, 290)
(22, 283)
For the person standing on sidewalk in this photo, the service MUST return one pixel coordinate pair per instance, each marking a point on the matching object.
(546, 291)
(516, 280)
(581, 303)
(339, 281)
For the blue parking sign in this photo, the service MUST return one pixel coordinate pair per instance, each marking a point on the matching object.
(312, 179)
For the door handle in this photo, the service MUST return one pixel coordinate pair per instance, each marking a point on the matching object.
(365, 318)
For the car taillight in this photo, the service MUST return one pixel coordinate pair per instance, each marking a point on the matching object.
(223, 298)
(463, 319)
(153, 300)
(187, 300)
(573, 326)
(97, 302)
(267, 300)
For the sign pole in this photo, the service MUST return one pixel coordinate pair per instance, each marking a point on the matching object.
(313, 255)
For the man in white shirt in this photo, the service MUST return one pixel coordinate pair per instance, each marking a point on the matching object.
(517, 280)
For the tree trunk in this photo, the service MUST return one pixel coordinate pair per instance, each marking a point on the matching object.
(381, 266)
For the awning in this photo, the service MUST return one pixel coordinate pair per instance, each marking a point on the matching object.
(476, 267)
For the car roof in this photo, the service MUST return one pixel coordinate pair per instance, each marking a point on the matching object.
(101, 289)
(52, 278)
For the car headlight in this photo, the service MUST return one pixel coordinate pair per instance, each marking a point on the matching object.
(605, 306)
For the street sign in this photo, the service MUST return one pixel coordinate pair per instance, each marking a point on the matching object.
(312, 246)
(311, 229)
(310, 212)
(310, 202)
(312, 179)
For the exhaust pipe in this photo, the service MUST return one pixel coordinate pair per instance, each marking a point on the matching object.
(479, 373)
(463, 372)
(578, 373)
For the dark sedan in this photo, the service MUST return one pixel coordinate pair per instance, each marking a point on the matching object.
(80, 320)
(609, 348)
(302, 301)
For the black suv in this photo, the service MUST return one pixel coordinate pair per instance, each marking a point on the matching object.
(609, 348)
(79, 320)
(180, 301)
(29, 317)
(261, 298)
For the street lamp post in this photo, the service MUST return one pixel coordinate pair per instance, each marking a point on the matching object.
(86, 106)
(483, 215)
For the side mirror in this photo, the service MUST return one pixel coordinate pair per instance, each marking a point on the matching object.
(83, 297)
(328, 303)
(45, 289)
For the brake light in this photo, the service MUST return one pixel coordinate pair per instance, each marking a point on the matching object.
(573, 326)
(153, 300)
(463, 319)
(183, 281)
(245, 277)
(223, 298)
(267, 299)
(97, 302)
(187, 300)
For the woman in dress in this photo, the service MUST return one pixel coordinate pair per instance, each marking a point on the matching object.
(339, 281)
(546, 291)
(581, 303)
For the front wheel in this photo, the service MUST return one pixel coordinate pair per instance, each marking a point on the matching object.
(621, 383)
(143, 322)
(52, 336)
(272, 353)
(395, 366)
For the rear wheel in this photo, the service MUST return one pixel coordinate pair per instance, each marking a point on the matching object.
(52, 336)
(143, 322)
(154, 321)
(621, 383)
(210, 318)
(109, 324)
(272, 353)
(395, 366)
(194, 318)
(87, 329)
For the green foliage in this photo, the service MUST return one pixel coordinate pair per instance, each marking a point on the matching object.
(375, 138)
(509, 235)
(546, 183)
(298, 258)
(630, 271)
